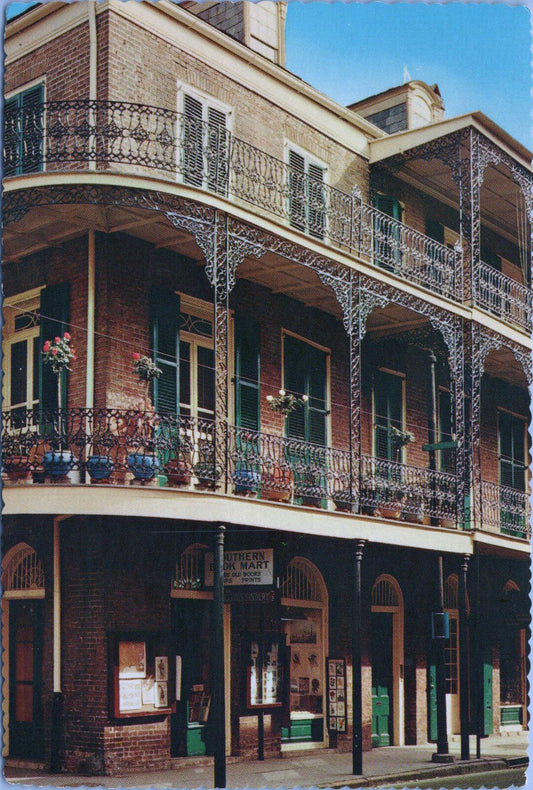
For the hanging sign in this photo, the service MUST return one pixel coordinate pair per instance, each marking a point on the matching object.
(251, 567)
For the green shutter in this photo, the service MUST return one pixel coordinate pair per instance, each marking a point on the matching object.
(165, 317)
(387, 243)
(388, 205)
(23, 132)
(247, 372)
(487, 693)
(432, 698)
(54, 308)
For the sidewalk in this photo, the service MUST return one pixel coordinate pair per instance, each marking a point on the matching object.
(319, 768)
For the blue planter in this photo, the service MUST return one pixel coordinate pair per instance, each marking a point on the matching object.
(99, 467)
(143, 465)
(58, 463)
(245, 481)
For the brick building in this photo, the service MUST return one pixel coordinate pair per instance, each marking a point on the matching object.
(172, 191)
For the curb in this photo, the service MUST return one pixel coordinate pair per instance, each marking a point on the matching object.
(451, 769)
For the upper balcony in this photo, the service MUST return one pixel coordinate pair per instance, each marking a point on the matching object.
(99, 135)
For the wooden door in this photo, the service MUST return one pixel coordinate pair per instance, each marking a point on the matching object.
(25, 650)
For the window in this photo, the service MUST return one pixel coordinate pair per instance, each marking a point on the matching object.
(305, 373)
(512, 449)
(21, 354)
(388, 413)
(205, 144)
(307, 198)
(182, 331)
(247, 372)
(387, 231)
(446, 434)
(23, 132)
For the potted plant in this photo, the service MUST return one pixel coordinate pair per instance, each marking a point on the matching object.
(399, 439)
(143, 462)
(58, 354)
(100, 464)
(390, 495)
(413, 506)
(342, 499)
(277, 478)
(206, 471)
(368, 496)
(16, 457)
(246, 477)
(311, 488)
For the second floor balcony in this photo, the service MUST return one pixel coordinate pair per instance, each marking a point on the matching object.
(113, 446)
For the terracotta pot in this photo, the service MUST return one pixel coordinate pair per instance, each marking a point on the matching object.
(276, 486)
(17, 467)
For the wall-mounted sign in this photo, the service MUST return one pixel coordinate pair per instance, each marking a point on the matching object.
(336, 684)
(246, 567)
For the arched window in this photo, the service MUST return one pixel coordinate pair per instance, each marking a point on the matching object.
(451, 592)
(386, 592)
(303, 582)
(23, 575)
(190, 566)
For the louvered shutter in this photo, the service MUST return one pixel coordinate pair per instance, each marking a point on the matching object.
(512, 451)
(165, 344)
(435, 230)
(316, 200)
(297, 212)
(54, 309)
(316, 405)
(217, 151)
(387, 233)
(247, 372)
(193, 157)
(32, 129)
(12, 137)
(388, 408)
(447, 457)
(294, 376)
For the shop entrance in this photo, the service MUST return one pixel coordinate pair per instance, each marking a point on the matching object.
(304, 616)
(512, 647)
(387, 663)
(22, 637)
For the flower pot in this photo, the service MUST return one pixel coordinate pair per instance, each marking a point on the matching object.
(245, 481)
(99, 467)
(311, 496)
(17, 467)
(391, 511)
(342, 501)
(178, 472)
(206, 474)
(276, 486)
(58, 463)
(143, 466)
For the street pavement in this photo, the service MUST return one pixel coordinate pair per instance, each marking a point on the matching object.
(322, 768)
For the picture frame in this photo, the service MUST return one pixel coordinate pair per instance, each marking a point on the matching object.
(161, 668)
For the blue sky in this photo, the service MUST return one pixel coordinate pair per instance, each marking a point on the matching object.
(478, 54)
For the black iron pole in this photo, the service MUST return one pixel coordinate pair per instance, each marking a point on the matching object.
(464, 669)
(357, 706)
(478, 654)
(432, 425)
(217, 694)
(440, 663)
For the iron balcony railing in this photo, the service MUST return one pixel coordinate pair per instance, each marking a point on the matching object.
(207, 156)
(103, 445)
(503, 296)
(506, 510)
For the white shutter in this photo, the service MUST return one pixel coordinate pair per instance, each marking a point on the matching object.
(297, 207)
(217, 150)
(316, 200)
(192, 140)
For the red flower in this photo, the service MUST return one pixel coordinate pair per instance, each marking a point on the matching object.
(73, 357)
(57, 340)
(136, 355)
(53, 351)
(66, 336)
(46, 346)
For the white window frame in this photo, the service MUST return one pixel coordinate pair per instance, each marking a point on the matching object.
(208, 102)
(203, 310)
(309, 159)
(402, 376)
(13, 306)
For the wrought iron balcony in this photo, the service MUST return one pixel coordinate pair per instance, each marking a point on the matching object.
(503, 296)
(114, 445)
(74, 134)
(505, 510)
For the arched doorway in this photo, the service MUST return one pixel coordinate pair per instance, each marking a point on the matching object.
(304, 615)
(22, 638)
(387, 663)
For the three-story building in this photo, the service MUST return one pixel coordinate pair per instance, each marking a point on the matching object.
(338, 303)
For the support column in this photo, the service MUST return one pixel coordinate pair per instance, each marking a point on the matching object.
(221, 323)
(354, 330)
(357, 705)
(218, 712)
(439, 636)
(464, 668)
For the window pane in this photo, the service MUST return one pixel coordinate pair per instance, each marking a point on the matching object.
(206, 379)
(36, 361)
(19, 371)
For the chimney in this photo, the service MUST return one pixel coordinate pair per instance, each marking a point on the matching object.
(260, 26)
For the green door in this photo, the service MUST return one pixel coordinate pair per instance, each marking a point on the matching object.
(381, 679)
(25, 671)
(387, 244)
(487, 693)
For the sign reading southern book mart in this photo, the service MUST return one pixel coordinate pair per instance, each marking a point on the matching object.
(251, 567)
